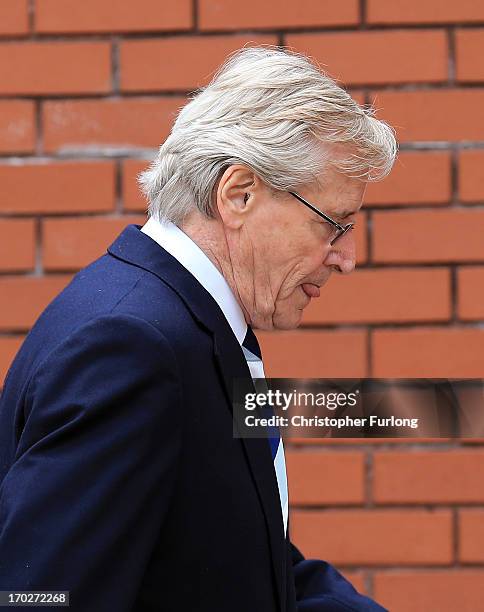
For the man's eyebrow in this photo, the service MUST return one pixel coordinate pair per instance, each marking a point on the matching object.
(346, 213)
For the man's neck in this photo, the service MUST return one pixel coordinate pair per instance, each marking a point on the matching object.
(209, 236)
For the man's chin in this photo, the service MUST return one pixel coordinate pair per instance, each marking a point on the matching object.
(288, 322)
(281, 319)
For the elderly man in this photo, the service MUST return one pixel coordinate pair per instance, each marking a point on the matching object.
(121, 480)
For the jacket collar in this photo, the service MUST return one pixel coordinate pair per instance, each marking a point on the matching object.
(136, 248)
(171, 238)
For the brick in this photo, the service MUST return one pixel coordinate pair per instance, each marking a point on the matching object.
(428, 353)
(23, 298)
(54, 68)
(272, 14)
(423, 591)
(469, 47)
(314, 354)
(428, 236)
(361, 241)
(357, 95)
(93, 124)
(470, 283)
(17, 244)
(384, 296)
(133, 199)
(416, 178)
(430, 11)
(188, 61)
(376, 537)
(52, 187)
(471, 177)
(14, 17)
(442, 477)
(425, 115)
(56, 16)
(70, 244)
(322, 478)
(471, 535)
(383, 57)
(17, 126)
(9, 345)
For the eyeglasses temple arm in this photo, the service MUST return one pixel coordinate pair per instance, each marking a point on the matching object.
(317, 211)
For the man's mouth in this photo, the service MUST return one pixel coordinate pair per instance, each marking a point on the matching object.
(311, 290)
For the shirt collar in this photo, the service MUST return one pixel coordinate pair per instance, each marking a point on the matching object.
(191, 256)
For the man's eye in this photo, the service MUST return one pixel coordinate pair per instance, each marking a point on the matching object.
(330, 229)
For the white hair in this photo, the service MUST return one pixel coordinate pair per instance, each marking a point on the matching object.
(269, 109)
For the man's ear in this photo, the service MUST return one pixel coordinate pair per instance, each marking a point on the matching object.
(235, 195)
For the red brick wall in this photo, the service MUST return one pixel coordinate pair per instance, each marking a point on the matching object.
(88, 90)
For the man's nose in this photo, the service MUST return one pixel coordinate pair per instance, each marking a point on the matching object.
(342, 255)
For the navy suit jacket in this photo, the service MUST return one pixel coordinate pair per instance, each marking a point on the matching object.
(120, 478)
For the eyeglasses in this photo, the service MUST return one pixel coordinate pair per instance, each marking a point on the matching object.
(338, 229)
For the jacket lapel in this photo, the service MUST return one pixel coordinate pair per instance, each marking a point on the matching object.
(233, 366)
(135, 247)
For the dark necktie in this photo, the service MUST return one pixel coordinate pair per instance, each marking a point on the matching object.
(253, 356)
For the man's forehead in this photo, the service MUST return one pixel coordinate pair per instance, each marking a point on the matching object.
(341, 193)
(349, 208)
